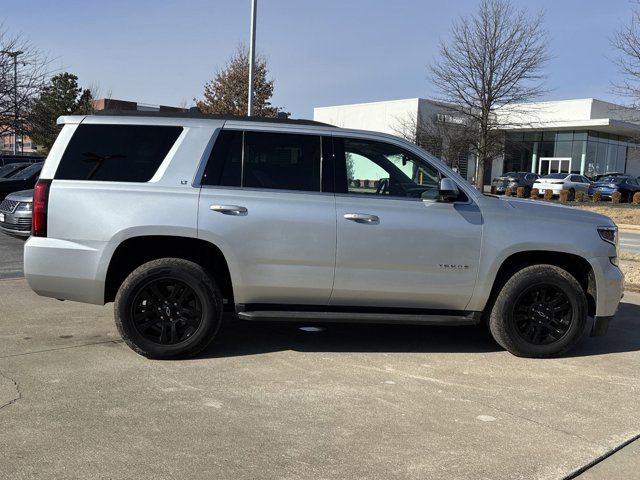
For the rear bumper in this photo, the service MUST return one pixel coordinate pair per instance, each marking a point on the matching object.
(64, 270)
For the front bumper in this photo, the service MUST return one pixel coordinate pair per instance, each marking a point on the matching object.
(609, 291)
(600, 326)
(17, 224)
(15, 233)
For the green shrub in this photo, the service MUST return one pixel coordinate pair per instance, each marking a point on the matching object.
(597, 197)
(636, 198)
(548, 194)
(615, 198)
(535, 193)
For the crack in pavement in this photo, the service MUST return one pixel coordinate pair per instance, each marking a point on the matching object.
(18, 392)
(116, 342)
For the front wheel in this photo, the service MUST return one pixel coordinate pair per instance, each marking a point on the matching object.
(541, 311)
(168, 308)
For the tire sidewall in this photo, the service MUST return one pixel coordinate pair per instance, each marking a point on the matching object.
(186, 272)
(503, 324)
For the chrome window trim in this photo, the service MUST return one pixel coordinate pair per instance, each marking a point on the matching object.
(265, 190)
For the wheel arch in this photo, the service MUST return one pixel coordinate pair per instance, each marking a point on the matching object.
(576, 265)
(135, 251)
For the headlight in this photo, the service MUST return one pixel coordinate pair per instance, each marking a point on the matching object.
(609, 234)
(24, 207)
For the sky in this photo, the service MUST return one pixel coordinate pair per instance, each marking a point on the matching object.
(320, 53)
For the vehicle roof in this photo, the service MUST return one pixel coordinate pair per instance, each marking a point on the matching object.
(205, 116)
(617, 177)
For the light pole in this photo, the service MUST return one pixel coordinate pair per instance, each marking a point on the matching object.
(252, 55)
(14, 54)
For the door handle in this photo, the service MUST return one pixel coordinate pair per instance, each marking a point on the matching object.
(362, 218)
(229, 209)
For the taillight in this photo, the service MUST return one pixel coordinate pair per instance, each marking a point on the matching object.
(40, 204)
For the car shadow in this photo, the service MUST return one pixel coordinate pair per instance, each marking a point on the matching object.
(239, 338)
(623, 335)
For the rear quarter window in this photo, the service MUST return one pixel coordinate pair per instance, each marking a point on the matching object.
(117, 153)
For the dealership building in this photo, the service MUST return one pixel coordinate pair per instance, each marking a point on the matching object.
(585, 136)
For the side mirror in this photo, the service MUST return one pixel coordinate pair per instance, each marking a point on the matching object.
(448, 190)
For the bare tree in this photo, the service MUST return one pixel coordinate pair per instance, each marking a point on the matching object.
(20, 82)
(492, 60)
(445, 134)
(627, 44)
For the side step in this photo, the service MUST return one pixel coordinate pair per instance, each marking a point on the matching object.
(465, 318)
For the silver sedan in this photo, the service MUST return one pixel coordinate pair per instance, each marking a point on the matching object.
(556, 182)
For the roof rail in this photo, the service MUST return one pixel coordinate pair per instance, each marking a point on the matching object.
(204, 116)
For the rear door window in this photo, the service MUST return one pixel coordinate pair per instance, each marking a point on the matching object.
(266, 160)
(117, 153)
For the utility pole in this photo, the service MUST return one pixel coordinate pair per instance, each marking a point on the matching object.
(14, 55)
(252, 55)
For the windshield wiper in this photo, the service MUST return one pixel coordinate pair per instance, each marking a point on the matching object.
(99, 160)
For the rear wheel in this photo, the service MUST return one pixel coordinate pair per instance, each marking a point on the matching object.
(572, 194)
(541, 311)
(168, 308)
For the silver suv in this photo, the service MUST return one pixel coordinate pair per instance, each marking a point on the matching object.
(178, 218)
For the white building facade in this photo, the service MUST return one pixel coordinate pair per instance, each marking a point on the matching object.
(585, 136)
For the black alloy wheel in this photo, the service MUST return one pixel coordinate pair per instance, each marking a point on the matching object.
(166, 311)
(542, 314)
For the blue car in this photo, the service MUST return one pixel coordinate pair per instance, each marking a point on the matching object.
(607, 186)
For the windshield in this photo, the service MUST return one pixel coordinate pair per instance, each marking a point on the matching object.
(556, 175)
(611, 179)
(28, 172)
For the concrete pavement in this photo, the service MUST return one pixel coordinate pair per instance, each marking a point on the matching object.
(10, 256)
(272, 401)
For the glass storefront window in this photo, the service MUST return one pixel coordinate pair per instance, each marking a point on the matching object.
(604, 152)
(563, 149)
(564, 136)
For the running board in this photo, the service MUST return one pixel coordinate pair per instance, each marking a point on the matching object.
(469, 318)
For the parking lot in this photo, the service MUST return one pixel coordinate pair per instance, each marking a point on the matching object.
(275, 401)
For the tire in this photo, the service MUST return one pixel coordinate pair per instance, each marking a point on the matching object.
(538, 330)
(168, 308)
(572, 194)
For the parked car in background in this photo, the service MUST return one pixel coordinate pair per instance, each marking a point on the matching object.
(557, 182)
(16, 214)
(607, 174)
(23, 180)
(20, 158)
(11, 169)
(515, 180)
(607, 186)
